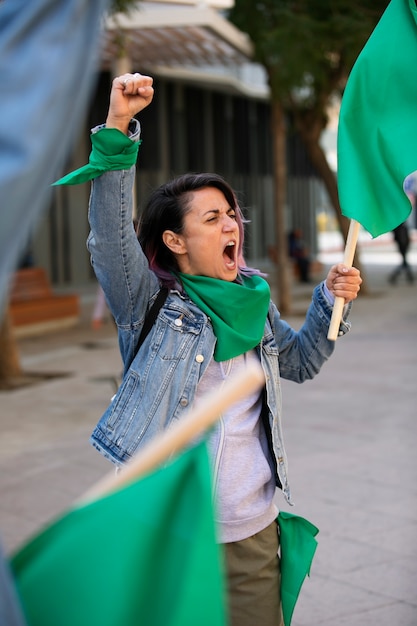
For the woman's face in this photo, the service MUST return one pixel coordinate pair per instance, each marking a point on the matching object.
(208, 245)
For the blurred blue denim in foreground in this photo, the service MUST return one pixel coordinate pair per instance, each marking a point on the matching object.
(48, 54)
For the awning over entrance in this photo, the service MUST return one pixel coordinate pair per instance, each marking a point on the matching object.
(173, 35)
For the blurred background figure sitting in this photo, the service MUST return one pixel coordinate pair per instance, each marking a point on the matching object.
(298, 251)
(100, 310)
(402, 238)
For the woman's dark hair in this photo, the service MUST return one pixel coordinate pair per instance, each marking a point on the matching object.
(166, 209)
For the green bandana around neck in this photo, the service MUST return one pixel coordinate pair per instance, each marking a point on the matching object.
(111, 150)
(237, 311)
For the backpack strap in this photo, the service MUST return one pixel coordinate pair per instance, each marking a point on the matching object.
(151, 316)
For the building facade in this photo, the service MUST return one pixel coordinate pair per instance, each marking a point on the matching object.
(205, 117)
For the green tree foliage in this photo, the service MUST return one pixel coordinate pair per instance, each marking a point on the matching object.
(308, 47)
(122, 6)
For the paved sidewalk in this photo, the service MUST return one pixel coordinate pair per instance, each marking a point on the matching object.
(351, 438)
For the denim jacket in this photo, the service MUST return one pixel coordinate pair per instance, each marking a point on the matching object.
(159, 383)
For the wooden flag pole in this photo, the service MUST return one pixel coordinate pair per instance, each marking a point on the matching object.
(176, 437)
(339, 303)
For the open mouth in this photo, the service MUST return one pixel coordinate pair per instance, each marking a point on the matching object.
(229, 254)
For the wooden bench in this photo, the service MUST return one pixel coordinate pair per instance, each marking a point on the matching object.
(34, 308)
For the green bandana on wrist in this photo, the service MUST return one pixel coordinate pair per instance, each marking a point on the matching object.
(237, 312)
(111, 150)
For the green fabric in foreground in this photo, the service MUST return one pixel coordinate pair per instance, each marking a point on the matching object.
(377, 134)
(145, 555)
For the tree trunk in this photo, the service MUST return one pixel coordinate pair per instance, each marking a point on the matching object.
(322, 167)
(279, 138)
(10, 368)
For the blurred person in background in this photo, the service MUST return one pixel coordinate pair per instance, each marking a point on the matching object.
(402, 238)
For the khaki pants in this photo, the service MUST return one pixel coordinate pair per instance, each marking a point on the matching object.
(253, 579)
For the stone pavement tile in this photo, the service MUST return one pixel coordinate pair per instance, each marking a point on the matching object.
(339, 557)
(395, 614)
(401, 539)
(391, 578)
(372, 527)
(327, 601)
(43, 490)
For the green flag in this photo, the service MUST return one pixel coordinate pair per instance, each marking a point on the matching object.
(298, 546)
(377, 136)
(143, 556)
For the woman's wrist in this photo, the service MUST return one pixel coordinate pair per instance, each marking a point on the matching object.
(119, 124)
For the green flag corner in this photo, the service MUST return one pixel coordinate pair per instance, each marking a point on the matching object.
(298, 546)
(146, 554)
